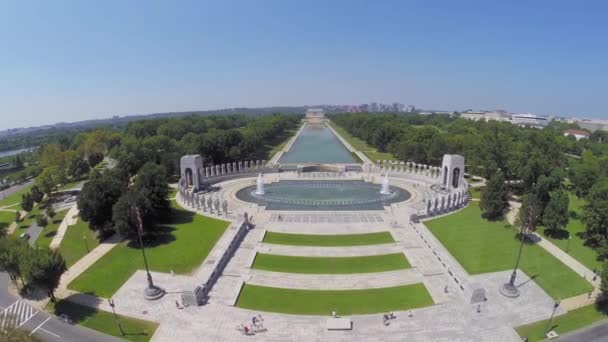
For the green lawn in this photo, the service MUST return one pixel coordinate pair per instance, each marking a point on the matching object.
(48, 232)
(6, 218)
(74, 245)
(14, 198)
(328, 240)
(343, 302)
(360, 145)
(482, 246)
(476, 192)
(570, 321)
(26, 221)
(102, 321)
(189, 239)
(577, 249)
(317, 265)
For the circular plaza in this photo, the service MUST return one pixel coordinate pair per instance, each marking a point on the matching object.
(330, 253)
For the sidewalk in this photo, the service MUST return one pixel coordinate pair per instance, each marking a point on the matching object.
(83, 264)
(70, 219)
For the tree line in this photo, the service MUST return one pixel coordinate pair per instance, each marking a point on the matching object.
(541, 165)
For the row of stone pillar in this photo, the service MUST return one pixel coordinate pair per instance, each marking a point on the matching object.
(201, 202)
(409, 167)
(444, 204)
(232, 168)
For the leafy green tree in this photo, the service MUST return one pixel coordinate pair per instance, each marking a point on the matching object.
(37, 195)
(14, 253)
(27, 202)
(44, 269)
(555, 215)
(50, 212)
(78, 167)
(49, 178)
(97, 198)
(604, 278)
(595, 217)
(42, 221)
(494, 202)
(95, 158)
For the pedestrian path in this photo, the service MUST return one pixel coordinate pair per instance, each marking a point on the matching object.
(83, 264)
(16, 315)
(347, 251)
(70, 219)
(357, 281)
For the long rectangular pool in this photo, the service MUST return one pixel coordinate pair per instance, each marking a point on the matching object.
(316, 143)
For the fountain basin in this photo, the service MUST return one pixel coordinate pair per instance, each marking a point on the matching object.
(323, 195)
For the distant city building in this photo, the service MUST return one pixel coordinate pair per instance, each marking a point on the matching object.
(577, 133)
(410, 109)
(483, 115)
(593, 125)
(530, 120)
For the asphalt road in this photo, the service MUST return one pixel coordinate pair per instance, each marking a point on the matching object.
(13, 189)
(46, 327)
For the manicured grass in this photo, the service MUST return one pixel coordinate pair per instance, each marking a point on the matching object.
(6, 218)
(189, 238)
(577, 248)
(48, 232)
(14, 198)
(360, 145)
(482, 246)
(102, 321)
(476, 192)
(328, 240)
(317, 265)
(343, 302)
(74, 246)
(570, 321)
(26, 221)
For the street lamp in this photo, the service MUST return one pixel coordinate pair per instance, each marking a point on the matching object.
(152, 292)
(509, 289)
(86, 243)
(555, 306)
(111, 302)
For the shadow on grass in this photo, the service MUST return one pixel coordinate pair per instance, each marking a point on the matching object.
(162, 236)
(50, 234)
(528, 238)
(79, 313)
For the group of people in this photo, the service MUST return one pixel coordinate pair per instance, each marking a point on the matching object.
(255, 327)
(387, 317)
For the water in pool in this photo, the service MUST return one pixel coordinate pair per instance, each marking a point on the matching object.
(317, 144)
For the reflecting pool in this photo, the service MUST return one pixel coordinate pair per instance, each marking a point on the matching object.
(323, 195)
(317, 144)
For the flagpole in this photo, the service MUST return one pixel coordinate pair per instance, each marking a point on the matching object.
(152, 292)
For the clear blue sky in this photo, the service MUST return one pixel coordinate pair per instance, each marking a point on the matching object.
(76, 60)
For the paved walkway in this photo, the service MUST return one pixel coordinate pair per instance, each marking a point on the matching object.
(348, 251)
(70, 219)
(85, 262)
(334, 281)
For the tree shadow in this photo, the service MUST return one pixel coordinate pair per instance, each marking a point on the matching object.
(162, 235)
(31, 292)
(602, 307)
(559, 234)
(179, 216)
(76, 312)
(50, 234)
(528, 238)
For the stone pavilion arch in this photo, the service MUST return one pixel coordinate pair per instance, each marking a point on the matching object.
(192, 171)
(452, 171)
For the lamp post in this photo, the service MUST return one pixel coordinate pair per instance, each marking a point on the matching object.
(152, 292)
(111, 302)
(86, 243)
(555, 306)
(509, 289)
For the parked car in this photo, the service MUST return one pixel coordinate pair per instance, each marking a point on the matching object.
(25, 236)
